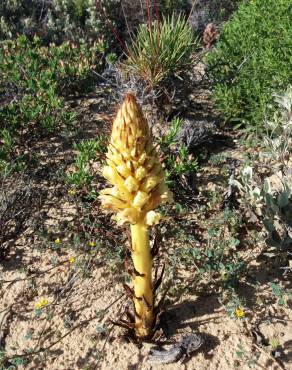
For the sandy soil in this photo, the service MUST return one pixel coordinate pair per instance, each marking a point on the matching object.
(80, 301)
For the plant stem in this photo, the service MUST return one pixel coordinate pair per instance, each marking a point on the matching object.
(142, 279)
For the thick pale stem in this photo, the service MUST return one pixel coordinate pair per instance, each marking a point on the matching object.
(142, 280)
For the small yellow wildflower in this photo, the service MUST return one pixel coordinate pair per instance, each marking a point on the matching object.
(72, 192)
(72, 259)
(239, 312)
(58, 241)
(92, 244)
(41, 303)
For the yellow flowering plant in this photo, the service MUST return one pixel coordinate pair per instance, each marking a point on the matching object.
(72, 260)
(134, 170)
(41, 303)
(239, 312)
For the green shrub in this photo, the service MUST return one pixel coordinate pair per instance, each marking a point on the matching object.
(33, 80)
(277, 214)
(87, 151)
(40, 75)
(219, 258)
(59, 20)
(160, 50)
(178, 163)
(278, 136)
(278, 202)
(30, 66)
(251, 60)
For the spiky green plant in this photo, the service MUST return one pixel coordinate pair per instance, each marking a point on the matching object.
(161, 49)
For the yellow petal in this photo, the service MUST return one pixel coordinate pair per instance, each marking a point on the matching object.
(111, 202)
(130, 215)
(149, 183)
(140, 199)
(131, 184)
(133, 168)
(152, 218)
(140, 173)
(123, 170)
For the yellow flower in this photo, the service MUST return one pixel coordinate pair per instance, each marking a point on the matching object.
(72, 192)
(137, 188)
(72, 259)
(239, 312)
(58, 241)
(41, 303)
(92, 244)
(133, 169)
(152, 218)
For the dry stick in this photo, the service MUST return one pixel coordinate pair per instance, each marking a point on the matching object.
(69, 283)
(158, 28)
(71, 280)
(82, 323)
(109, 332)
(156, 11)
(35, 275)
(7, 309)
(40, 336)
(158, 20)
(148, 14)
(127, 24)
(149, 21)
(192, 9)
(278, 364)
(142, 10)
(107, 337)
(112, 28)
(42, 10)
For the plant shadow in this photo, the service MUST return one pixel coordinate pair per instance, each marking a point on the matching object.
(185, 315)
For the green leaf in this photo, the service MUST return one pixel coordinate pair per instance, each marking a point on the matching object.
(283, 199)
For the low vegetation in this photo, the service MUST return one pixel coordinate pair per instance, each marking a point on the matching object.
(60, 20)
(196, 227)
(252, 61)
(34, 81)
